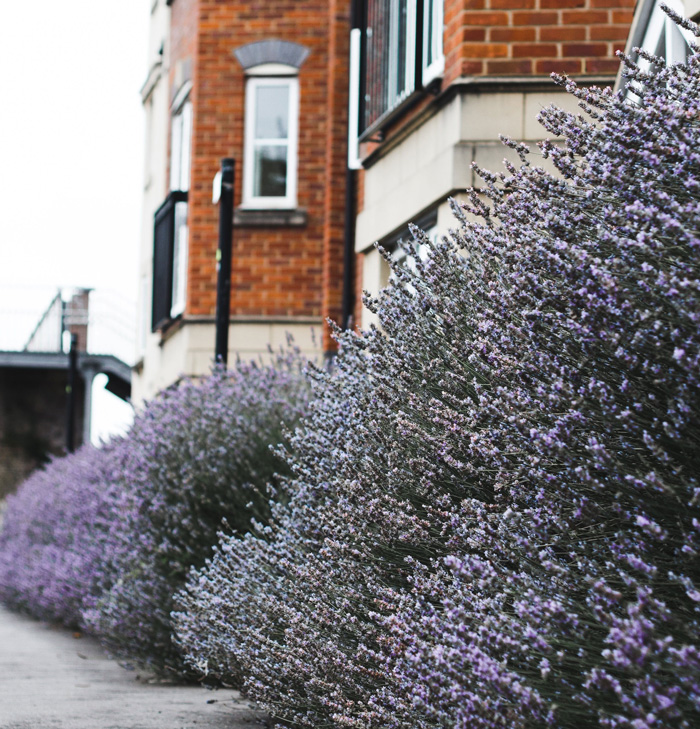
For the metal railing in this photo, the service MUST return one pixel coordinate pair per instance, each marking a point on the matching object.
(46, 335)
(41, 319)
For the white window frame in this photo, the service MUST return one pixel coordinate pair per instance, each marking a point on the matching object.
(409, 79)
(399, 254)
(676, 40)
(180, 260)
(250, 200)
(180, 153)
(434, 11)
(354, 161)
(396, 86)
(180, 142)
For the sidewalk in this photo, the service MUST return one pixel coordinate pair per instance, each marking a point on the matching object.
(50, 679)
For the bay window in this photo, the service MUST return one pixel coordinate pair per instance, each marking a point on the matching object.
(170, 231)
(401, 51)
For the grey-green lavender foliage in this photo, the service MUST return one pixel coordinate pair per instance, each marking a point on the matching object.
(103, 538)
(495, 518)
(197, 460)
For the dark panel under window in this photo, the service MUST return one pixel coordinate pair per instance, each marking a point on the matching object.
(163, 244)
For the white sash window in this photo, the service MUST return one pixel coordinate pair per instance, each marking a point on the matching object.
(180, 152)
(271, 139)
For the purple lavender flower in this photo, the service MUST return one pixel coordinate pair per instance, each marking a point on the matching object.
(495, 498)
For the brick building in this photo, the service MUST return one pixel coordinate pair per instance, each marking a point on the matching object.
(488, 73)
(406, 93)
(266, 84)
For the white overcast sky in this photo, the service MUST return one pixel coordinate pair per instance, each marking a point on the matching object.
(71, 144)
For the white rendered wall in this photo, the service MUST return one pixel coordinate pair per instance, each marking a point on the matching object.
(434, 161)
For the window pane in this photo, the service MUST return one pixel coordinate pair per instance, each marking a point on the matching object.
(180, 146)
(271, 112)
(389, 56)
(179, 260)
(399, 50)
(270, 171)
(676, 50)
(433, 59)
(186, 115)
(428, 30)
(175, 151)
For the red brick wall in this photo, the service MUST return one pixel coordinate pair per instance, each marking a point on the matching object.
(359, 306)
(526, 37)
(336, 156)
(287, 271)
(277, 271)
(360, 191)
(183, 48)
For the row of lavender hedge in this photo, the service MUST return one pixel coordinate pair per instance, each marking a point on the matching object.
(492, 509)
(102, 539)
(495, 517)
(54, 534)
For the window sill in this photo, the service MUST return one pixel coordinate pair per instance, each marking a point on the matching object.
(375, 132)
(257, 218)
(168, 328)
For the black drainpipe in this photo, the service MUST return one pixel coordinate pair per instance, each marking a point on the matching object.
(348, 302)
(348, 299)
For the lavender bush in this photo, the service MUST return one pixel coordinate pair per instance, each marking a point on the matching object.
(52, 542)
(199, 460)
(495, 502)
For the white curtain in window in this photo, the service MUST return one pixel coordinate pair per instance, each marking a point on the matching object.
(180, 252)
(180, 148)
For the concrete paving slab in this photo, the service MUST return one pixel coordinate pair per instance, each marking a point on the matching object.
(50, 679)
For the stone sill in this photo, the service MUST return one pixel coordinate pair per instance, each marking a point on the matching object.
(256, 218)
